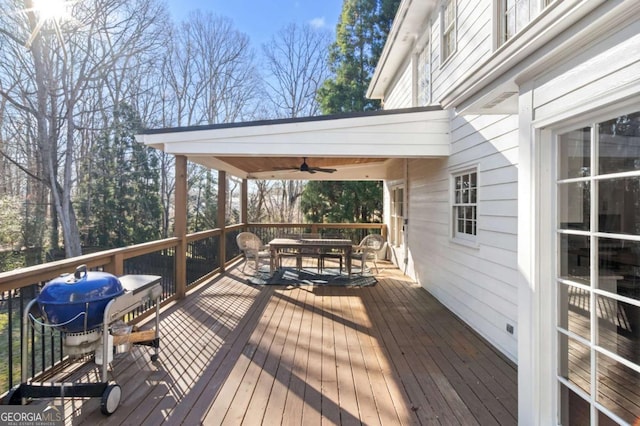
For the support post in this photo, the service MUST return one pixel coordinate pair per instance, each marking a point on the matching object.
(244, 203)
(222, 217)
(180, 225)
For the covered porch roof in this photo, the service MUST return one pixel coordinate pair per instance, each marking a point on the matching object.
(357, 145)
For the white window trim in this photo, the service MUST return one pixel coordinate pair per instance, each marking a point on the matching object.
(500, 24)
(454, 31)
(423, 44)
(422, 92)
(537, 301)
(397, 236)
(468, 240)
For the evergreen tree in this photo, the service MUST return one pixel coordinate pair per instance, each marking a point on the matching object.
(203, 199)
(123, 201)
(342, 201)
(360, 38)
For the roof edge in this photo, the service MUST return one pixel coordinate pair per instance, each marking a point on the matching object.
(289, 120)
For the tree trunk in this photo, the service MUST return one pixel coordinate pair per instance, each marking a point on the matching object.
(46, 144)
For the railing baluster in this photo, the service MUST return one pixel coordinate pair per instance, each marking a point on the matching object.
(10, 336)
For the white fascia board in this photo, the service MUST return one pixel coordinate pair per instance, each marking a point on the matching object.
(412, 134)
(296, 127)
(382, 146)
(407, 26)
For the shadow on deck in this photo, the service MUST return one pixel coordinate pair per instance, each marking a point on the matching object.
(234, 353)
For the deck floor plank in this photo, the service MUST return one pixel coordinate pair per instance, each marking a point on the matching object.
(312, 409)
(385, 392)
(283, 373)
(448, 362)
(295, 395)
(367, 408)
(461, 360)
(266, 359)
(236, 353)
(330, 407)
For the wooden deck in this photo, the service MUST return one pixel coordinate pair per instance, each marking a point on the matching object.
(234, 353)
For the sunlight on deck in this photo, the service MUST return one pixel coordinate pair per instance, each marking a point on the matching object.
(234, 353)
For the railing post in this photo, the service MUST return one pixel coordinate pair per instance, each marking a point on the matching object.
(180, 223)
(116, 266)
(244, 202)
(222, 217)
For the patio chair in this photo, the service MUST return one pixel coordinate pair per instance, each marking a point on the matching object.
(253, 248)
(330, 254)
(368, 250)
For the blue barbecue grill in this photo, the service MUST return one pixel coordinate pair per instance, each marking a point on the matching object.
(83, 306)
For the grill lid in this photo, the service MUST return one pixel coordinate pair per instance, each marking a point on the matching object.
(76, 302)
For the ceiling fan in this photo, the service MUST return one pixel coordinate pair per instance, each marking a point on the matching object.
(304, 167)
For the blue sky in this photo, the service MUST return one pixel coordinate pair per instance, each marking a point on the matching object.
(261, 19)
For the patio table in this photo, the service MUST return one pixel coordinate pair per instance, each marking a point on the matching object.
(278, 244)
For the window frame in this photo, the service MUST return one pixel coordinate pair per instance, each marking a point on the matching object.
(469, 205)
(536, 7)
(397, 215)
(423, 83)
(448, 30)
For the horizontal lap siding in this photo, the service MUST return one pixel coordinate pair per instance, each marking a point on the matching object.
(608, 68)
(474, 45)
(478, 284)
(400, 95)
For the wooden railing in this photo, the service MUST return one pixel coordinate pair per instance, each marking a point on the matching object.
(206, 254)
(353, 231)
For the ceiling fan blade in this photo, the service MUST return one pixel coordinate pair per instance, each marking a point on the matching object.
(322, 170)
(304, 167)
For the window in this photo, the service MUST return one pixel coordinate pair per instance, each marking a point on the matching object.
(465, 207)
(424, 77)
(448, 29)
(397, 216)
(598, 272)
(516, 14)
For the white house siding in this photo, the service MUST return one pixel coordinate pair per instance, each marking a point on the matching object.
(474, 44)
(400, 95)
(594, 76)
(597, 82)
(479, 284)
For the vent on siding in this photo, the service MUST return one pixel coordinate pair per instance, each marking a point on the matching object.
(499, 99)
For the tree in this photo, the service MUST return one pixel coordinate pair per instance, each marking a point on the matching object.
(209, 76)
(53, 66)
(296, 64)
(124, 193)
(360, 38)
(342, 201)
(10, 232)
(203, 205)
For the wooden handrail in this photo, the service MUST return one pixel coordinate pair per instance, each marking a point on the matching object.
(111, 260)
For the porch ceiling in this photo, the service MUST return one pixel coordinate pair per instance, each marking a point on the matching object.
(357, 144)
